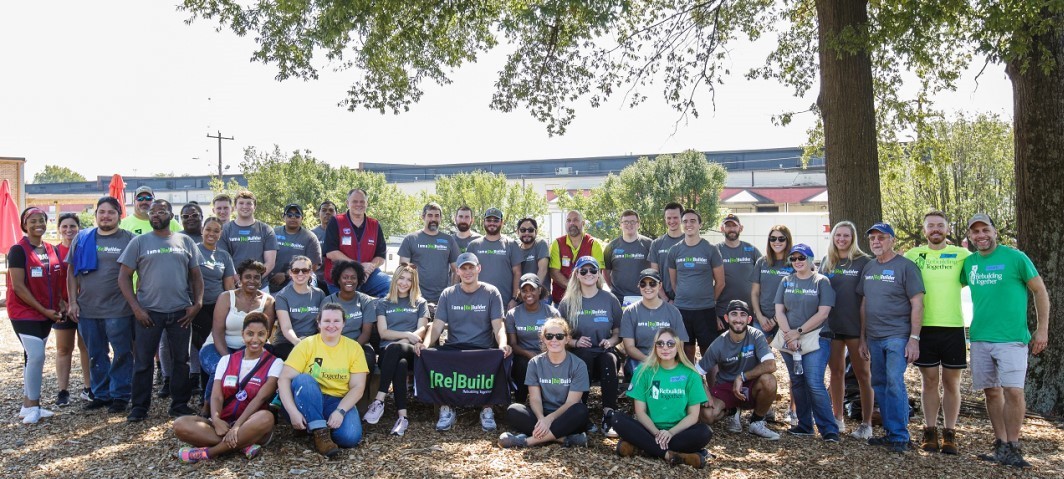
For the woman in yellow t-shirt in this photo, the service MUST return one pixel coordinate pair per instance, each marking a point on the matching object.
(323, 378)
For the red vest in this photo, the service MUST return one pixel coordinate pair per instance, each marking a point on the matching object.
(564, 251)
(42, 281)
(233, 406)
(362, 251)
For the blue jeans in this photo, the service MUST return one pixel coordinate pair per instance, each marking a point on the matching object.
(110, 378)
(208, 358)
(811, 398)
(377, 284)
(888, 382)
(316, 407)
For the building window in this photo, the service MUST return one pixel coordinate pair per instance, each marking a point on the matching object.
(768, 209)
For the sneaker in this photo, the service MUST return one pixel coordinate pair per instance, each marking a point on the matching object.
(252, 451)
(189, 455)
(610, 433)
(32, 415)
(760, 429)
(117, 406)
(137, 415)
(181, 410)
(86, 395)
(626, 449)
(949, 441)
(164, 390)
(693, 459)
(97, 404)
(999, 452)
(791, 418)
(446, 419)
(22, 413)
(487, 419)
(863, 432)
(607, 422)
(1014, 456)
(509, 439)
(374, 412)
(323, 442)
(399, 429)
(831, 437)
(770, 416)
(63, 398)
(732, 424)
(841, 423)
(576, 440)
(878, 441)
(900, 446)
(930, 440)
(796, 431)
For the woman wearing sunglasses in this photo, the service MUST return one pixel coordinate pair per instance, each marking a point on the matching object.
(297, 308)
(556, 382)
(766, 276)
(361, 309)
(667, 394)
(523, 324)
(803, 302)
(642, 320)
(594, 317)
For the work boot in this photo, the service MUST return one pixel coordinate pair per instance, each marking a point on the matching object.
(930, 442)
(949, 441)
(323, 442)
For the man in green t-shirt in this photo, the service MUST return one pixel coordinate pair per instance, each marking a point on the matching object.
(999, 278)
(942, 335)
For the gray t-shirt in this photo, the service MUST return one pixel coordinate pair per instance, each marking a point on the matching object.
(433, 255)
(530, 257)
(556, 381)
(319, 232)
(468, 316)
(99, 296)
(733, 357)
(738, 267)
(642, 323)
(401, 316)
(302, 311)
(162, 266)
(625, 260)
(694, 273)
(887, 289)
(247, 242)
(845, 317)
(802, 297)
(526, 324)
(598, 317)
(217, 265)
(497, 259)
(463, 243)
(301, 243)
(659, 252)
(769, 278)
(362, 309)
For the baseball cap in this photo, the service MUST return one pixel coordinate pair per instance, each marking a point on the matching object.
(733, 218)
(586, 260)
(738, 305)
(493, 213)
(802, 248)
(467, 258)
(530, 278)
(143, 189)
(293, 206)
(650, 273)
(882, 228)
(980, 218)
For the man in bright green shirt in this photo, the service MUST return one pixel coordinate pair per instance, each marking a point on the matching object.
(999, 278)
(137, 223)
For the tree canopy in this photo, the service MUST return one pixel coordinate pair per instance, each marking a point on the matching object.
(57, 174)
(481, 190)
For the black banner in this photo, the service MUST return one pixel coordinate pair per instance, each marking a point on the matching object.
(462, 378)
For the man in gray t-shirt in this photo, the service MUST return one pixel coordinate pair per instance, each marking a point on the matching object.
(433, 252)
(293, 240)
(696, 271)
(659, 248)
(739, 258)
(500, 258)
(247, 238)
(556, 381)
(535, 253)
(625, 257)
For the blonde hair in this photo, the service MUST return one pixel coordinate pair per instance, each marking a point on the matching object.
(653, 362)
(574, 298)
(415, 290)
(554, 322)
(833, 257)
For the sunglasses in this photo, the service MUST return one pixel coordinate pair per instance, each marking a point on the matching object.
(293, 215)
(797, 258)
(669, 343)
(777, 239)
(190, 216)
(527, 230)
(587, 271)
(554, 336)
(145, 198)
(300, 270)
(648, 284)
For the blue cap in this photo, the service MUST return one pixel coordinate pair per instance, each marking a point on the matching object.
(467, 258)
(882, 228)
(803, 249)
(586, 260)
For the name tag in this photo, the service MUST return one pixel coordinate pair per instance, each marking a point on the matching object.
(565, 262)
(345, 240)
(36, 272)
(229, 381)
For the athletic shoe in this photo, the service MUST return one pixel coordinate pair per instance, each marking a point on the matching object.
(900, 446)
(97, 404)
(374, 412)
(879, 441)
(790, 418)
(770, 416)
(864, 431)
(117, 406)
(626, 449)
(930, 440)
(86, 395)
(487, 419)
(137, 415)
(607, 421)
(182, 410)
(796, 431)
(323, 442)
(732, 423)
(63, 398)
(831, 437)
(693, 459)
(998, 454)
(189, 455)
(40, 410)
(446, 419)
(1014, 456)
(399, 429)
(33, 415)
(164, 390)
(760, 429)
(575, 440)
(949, 441)
(841, 423)
(610, 433)
(252, 451)
(509, 439)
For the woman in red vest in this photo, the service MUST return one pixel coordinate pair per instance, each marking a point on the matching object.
(33, 303)
(244, 383)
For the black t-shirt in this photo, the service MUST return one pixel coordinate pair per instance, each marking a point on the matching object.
(16, 256)
(332, 238)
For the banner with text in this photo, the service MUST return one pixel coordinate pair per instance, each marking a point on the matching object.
(462, 378)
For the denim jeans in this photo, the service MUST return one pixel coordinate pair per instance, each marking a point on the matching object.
(109, 378)
(810, 395)
(377, 284)
(208, 359)
(316, 408)
(146, 343)
(888, 382)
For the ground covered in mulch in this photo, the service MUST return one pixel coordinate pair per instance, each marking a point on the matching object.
(77, 444)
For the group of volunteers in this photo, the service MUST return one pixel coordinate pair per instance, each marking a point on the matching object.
(285, 323)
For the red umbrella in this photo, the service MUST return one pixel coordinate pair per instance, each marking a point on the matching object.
(10, 229)
(117, 189)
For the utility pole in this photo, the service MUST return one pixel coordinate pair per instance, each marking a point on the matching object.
(220, 138)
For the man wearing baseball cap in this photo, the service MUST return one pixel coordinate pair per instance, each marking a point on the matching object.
(500, 257)
(739, 258)
(745, 377)
(999, 278)
(293, 240)
(892, 313)
(138, 222)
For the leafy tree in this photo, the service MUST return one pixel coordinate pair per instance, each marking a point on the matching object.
(481, 190)
(57, 174)
(231, 187)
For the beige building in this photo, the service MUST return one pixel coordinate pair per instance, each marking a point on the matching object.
(13, 170)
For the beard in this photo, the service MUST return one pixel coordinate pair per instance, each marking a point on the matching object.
(159, 225)
(739, 329)
(731, 236)
(492, 229)
(434, 225)
(528, 239)
(463, 227)
(574, 230)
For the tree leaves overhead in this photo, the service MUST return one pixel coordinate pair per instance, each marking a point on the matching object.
(57, 174)
(481, 190)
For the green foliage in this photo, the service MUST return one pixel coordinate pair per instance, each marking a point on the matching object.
(87, 218)
(481, 190)
(231, 188)
(57, 174)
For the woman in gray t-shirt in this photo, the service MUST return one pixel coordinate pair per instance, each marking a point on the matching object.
(297, 307)
(523, 324)
(765, 278)
(556, 382)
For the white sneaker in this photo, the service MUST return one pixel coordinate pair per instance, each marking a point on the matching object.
(611, 433)
(446, 419)
(864, 431)
(790, 418)
(487, 419)
(32, 416)
(732, 424)
(759, 428)
(399, 429)
(841, 422)
(374, 412)
(22, 413)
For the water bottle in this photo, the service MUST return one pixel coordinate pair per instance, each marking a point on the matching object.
(797, 357)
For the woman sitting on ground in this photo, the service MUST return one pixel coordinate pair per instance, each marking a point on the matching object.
(244, 383)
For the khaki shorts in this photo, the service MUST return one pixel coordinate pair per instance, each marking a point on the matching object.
(998, 365)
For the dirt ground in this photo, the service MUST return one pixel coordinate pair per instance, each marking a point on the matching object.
(97, 444)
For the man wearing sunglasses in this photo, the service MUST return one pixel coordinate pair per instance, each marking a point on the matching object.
(432, 251)
(625, 258)
(293, 240)
(248, 238)
(534, 250)
(500, 258)
(739, 260)
(192, 221)
(138, 222)
(697, 272)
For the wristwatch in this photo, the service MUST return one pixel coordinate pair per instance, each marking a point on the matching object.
(913, 336)
(799, 330)
(341, 411)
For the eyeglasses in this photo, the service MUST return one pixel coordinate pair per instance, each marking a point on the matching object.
(777, 239)
(554, 336)
(648, 284)
(587, 271)
(665, 343)
(527, 230)
(190, 216)
(293, 215)
(798, 258)
(145, 198)
(300, 270)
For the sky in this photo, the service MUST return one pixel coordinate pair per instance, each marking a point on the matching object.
(127, 87)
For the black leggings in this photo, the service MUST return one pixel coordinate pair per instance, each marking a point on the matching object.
(692, 439)
(518, 373)
(201, 328)
(603, 365)
(395, 365)
(573, 421)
